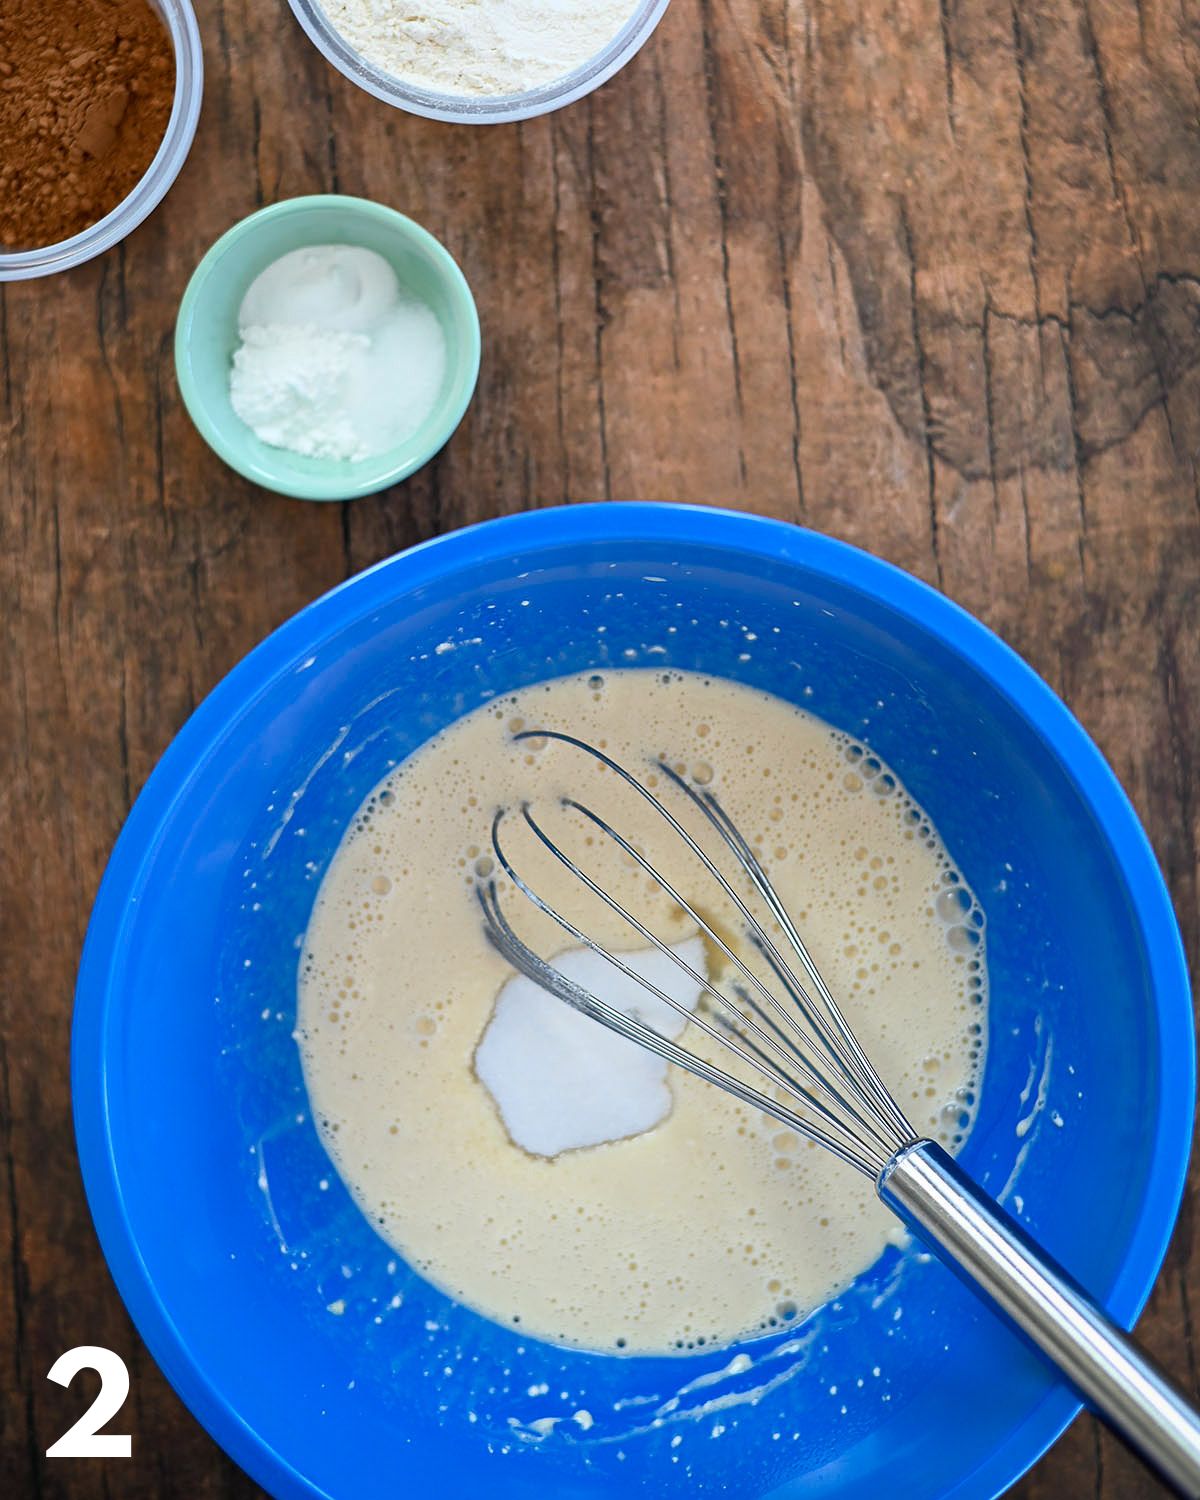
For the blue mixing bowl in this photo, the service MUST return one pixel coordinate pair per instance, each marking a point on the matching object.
(303, 1343)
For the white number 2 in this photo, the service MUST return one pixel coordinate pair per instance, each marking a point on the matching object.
(84, 1440)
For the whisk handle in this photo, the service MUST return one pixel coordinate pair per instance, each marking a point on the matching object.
(994, 1255)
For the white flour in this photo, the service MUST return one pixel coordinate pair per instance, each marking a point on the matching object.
(480, 47)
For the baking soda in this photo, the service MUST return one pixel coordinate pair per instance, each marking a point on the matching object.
(560, 1081)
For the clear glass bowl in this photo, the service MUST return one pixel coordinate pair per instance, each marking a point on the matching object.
(180, 21)
(470, 109)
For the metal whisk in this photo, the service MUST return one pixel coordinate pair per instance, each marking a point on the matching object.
(783, 1028)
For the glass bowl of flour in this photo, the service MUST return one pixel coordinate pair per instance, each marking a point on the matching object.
(479, 62)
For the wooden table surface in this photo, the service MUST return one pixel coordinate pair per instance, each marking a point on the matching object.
(923, 276)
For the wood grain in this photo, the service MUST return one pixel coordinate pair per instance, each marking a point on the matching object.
(923, 274)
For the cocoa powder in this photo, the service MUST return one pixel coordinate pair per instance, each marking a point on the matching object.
(86, 88)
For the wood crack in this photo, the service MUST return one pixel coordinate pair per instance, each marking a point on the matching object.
(664, 147)
(1080, 458)
(331, 152)
(5, 361)
(598, 296)
(348, 568)
(948, 59)
(711, 95)
(560, 336)
(1026, 160)
(792, 378)
(990, 413)
(260, 196)
(923, 391)
(123, 739)
(1121, 197)
(102, 341)
(18, 1276)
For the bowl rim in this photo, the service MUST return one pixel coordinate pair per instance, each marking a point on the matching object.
(179, 21)
(524, 536)
(471, 109)
(376, 474)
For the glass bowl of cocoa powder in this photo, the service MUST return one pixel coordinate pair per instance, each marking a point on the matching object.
(98, 108)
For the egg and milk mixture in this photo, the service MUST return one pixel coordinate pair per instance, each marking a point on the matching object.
(563, 1191)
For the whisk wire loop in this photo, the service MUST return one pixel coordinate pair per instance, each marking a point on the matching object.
(855, 1067)
(795, 1058)
(529, 963)
(759, 1062)
(858, 1062)
(805, 1049)
(852, 1063)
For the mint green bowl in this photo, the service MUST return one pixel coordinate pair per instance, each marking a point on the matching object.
(206, 335)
